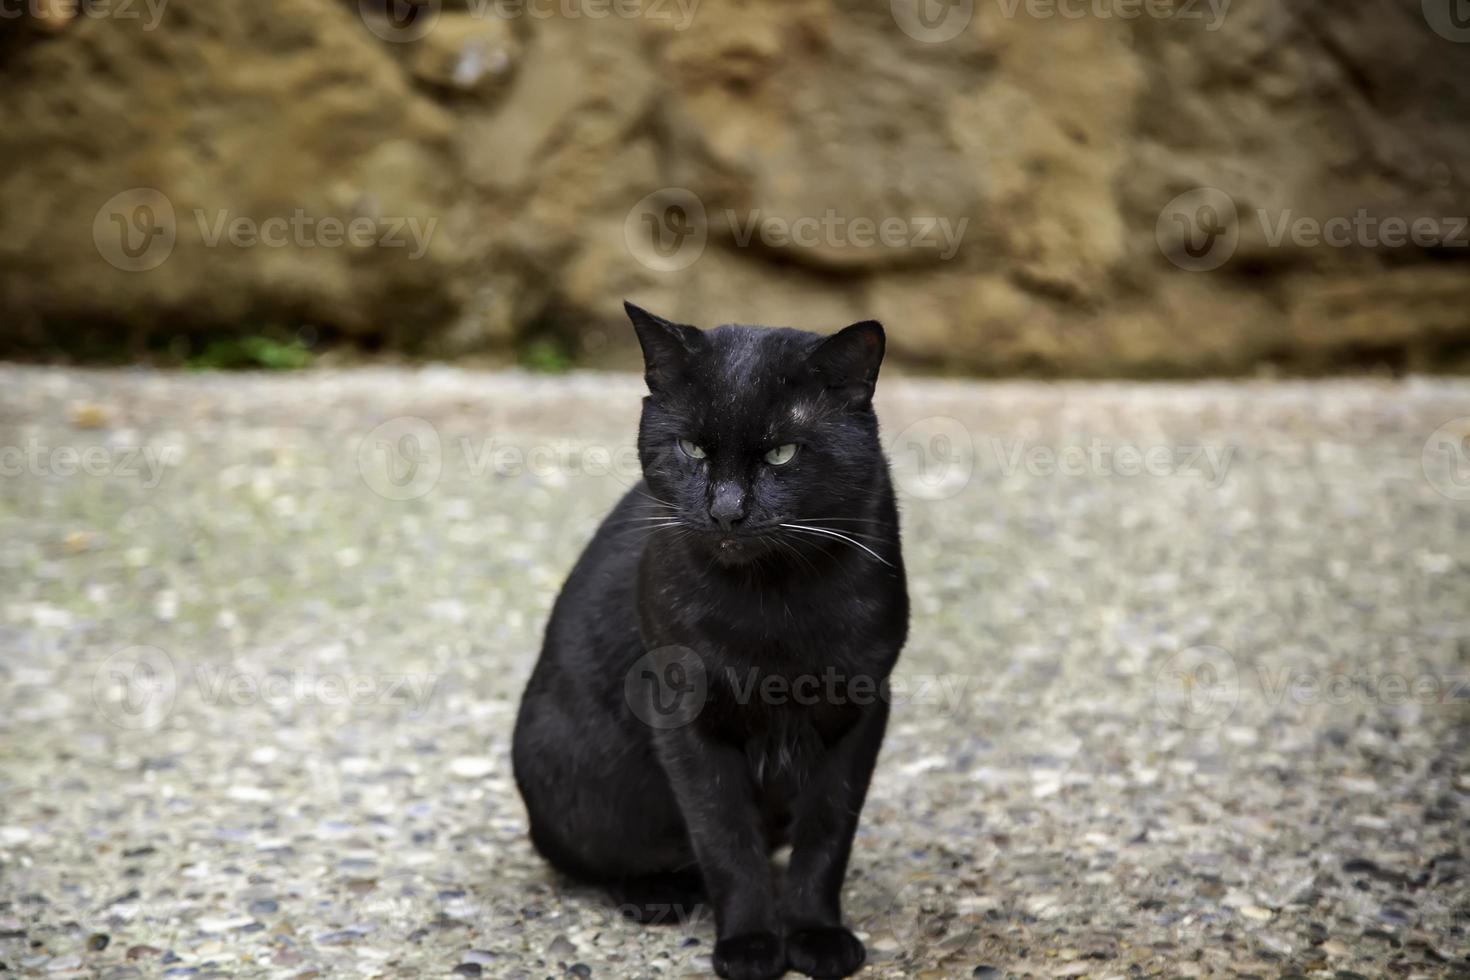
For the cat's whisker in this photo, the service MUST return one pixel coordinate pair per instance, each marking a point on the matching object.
(857, 534)
(657, 500)
(852, 520)
(651, 527)
(839, 536)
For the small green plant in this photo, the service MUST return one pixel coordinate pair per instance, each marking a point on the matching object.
(256, 352)
(546, 355)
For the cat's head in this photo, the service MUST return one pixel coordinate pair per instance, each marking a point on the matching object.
(749, 428)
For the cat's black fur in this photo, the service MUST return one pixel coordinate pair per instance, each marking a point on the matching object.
(713, 685)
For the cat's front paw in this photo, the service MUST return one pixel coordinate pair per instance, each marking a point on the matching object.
(753, 956)
(826, 952)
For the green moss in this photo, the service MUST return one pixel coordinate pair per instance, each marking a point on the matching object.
(254, 352)
(547, 355)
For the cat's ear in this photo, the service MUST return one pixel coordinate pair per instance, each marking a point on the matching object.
(848, 361)
(667, 347)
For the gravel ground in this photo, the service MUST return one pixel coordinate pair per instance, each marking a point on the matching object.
(1187, 691)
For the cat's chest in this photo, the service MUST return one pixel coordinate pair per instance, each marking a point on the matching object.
(783, 755)
(802, 627)
(794, 635)
(783, 713)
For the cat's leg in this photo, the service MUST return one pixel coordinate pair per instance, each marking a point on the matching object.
(817, 943)
(712, 783)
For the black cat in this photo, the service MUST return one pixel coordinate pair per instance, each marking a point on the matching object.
(714, 676)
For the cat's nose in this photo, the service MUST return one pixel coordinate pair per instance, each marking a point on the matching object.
(728, 507)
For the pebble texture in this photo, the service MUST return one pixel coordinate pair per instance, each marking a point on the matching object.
(1186, 694)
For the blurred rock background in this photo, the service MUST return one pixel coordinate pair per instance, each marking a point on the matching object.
(538, 162)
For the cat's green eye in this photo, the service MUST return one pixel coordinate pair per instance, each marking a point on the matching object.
(781, 455)
(690, 449)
